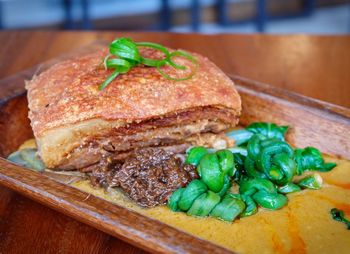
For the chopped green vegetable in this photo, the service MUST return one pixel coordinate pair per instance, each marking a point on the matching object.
(228, 209)
(27, 158)
(238, 150)
(311, 182)
(269, 130)
(264, 171)
(270, 158)
(174, 199)
(204, 204)
(195, 154)
(211, 173)
(30, 155)
(338, 215)
(289, 188)
(251, 207)
(263, 192)
(310, 158)
(240, 173)
(240, 136)
(251, 186)
(276, 162)
(226, 162)
(251, 169)
(191, 192)
(270, 201)
(226, 187)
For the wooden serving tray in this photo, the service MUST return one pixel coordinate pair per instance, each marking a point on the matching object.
(312, 122)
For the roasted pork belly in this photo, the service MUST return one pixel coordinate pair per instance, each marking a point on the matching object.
(75, 124)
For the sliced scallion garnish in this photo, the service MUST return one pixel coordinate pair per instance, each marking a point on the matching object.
(124, 55)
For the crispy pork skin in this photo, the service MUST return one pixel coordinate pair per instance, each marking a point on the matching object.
(70, 117)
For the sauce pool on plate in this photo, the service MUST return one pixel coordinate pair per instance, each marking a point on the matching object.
(305, 225)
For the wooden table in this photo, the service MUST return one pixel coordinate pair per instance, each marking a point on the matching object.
(316, 66)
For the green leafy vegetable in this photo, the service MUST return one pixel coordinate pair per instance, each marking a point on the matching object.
(264, 171)
(269, 130)
(251, 207)
(226, 187)
(276, 162)
(270, 201)
(204, 204)
(211, 173)
(263, 192)
(174, 199)
(270, 158)
(240, 173)
(228, 209)
(289, 188)
(251, 186)
(311, 182)
(191, 192)
(27, 158)
(240, 136)
(195, 154)
(226, 162)
(310, 158)
(338, 215)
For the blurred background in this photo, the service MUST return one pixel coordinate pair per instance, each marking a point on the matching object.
(205, 16)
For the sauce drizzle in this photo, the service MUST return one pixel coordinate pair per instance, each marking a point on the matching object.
(298, 244)
(341, 185)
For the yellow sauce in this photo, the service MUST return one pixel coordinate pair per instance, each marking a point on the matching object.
(303, 226)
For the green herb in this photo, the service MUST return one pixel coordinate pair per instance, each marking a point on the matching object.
(124, 55)
(338, 215)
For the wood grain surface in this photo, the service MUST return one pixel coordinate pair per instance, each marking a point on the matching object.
(314, 66)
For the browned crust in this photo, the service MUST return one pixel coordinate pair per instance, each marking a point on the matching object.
(67, 93)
